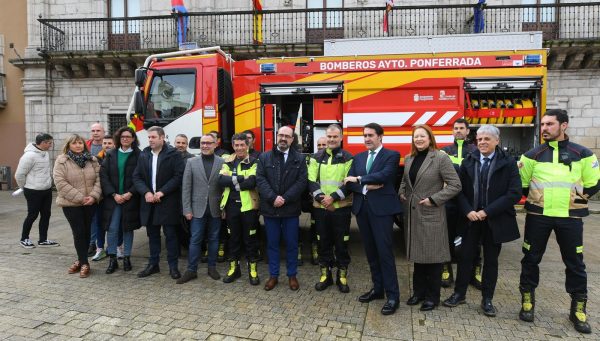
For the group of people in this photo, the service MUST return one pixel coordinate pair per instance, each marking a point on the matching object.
(462, 195)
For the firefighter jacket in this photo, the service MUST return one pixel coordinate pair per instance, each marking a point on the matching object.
(326, 174)
(458, 151)
(558, 177)
(241, 179)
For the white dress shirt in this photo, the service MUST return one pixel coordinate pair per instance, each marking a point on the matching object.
(364, 189)
(154, 169)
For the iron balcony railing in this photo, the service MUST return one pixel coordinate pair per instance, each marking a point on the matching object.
(572, 21)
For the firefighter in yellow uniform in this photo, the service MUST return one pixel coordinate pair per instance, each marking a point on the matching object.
(332, 208)
(240, 204)
(558, 178)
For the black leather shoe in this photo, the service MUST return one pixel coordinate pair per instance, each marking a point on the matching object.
(414, 300)
(149, 270)
(389, 307)
(126, 263)
(370, 296)
(187, 276)
(428, 305)
(174, 273)
(113, 265)
(454, 300)
(488, 307)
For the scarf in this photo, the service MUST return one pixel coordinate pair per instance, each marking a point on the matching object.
(79, 159)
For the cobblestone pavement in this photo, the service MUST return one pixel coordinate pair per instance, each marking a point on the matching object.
(39, 300)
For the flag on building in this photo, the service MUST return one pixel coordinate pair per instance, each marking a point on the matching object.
(389, 5)
(257, 36)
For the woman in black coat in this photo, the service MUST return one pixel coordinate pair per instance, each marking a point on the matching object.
(121, 200)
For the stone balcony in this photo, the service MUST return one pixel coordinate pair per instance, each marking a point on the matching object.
(114, 47)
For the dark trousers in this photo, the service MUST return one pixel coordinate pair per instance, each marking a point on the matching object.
(376, 233)
(80, 220)
(457, 226)
(154, 239)
(98, 234)
(204, 229)
(478, 231)
(333, 229)
(288, 228)
(38, 203)
(427, 281)
(569, 236)
(242, 229)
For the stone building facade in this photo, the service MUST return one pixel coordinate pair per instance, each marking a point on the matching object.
(69, 102)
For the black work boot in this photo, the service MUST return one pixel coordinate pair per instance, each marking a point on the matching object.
(342, 280)
(447, 275)
(578, 314)
(233, 273)
(253, 273)
(113, 265)
(314, 254)
(127, 263)
(325, 279)
(476, 280)
(221, 253)
(527, 306)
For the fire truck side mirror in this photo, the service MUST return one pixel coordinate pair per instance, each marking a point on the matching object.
(138, 102)
(140, 77)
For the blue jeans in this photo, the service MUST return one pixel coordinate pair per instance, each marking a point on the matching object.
(288, 227)
(115, 230)
(197, 227)
(97, 236)
(154, 239)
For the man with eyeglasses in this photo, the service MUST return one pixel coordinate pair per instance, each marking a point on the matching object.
(201, 195)
(281, 178)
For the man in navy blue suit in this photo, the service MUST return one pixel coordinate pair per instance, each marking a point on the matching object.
(375, 203)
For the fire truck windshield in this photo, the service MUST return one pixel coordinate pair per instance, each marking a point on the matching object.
(171, 95)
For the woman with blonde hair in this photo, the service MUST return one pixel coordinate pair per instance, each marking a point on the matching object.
(78, 185)
(429, 181)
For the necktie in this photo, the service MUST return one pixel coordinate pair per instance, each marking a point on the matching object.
(483, 180)
(370, 161)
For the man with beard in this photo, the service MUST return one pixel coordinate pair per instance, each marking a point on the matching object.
(558, 179)
(281, 178)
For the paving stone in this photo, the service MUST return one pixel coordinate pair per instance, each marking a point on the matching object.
(57, 306)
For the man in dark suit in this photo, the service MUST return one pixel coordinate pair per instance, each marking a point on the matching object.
(490, 210)
(157, 178)
(375, 204)
(281, 178)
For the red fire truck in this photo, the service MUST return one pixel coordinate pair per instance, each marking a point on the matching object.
(197, 91)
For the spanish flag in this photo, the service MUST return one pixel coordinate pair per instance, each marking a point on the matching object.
(257, 36)
(389, 5)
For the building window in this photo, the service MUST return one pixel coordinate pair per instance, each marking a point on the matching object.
(327, 24)
(124, 34)
(532, 15)
(116, 121)
(543, 19)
